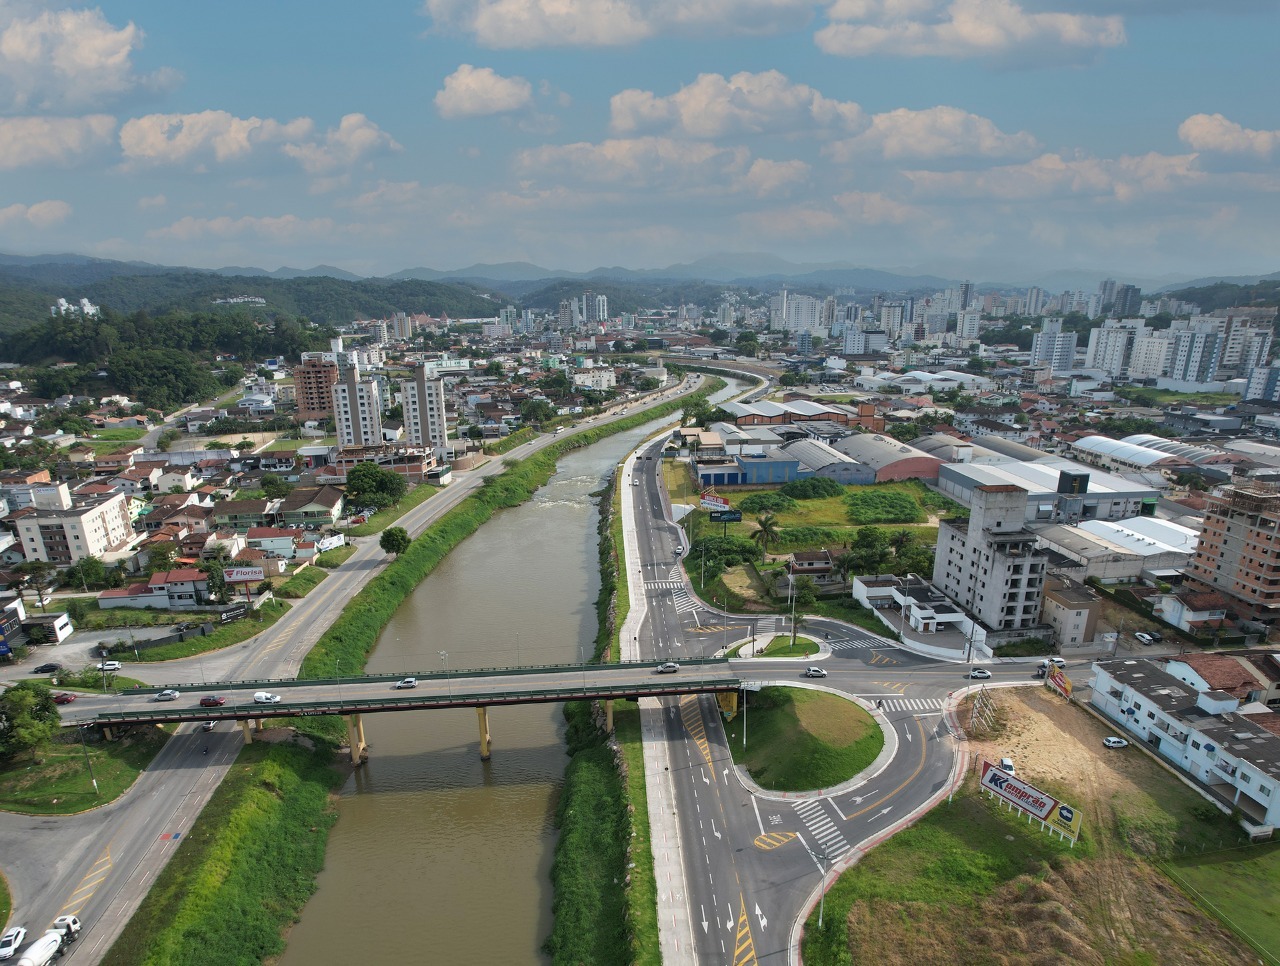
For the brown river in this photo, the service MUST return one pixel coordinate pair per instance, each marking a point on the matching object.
(438, 857)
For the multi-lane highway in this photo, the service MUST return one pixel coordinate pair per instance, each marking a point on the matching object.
(738, 866)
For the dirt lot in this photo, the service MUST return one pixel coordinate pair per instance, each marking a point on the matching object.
(1108, 903)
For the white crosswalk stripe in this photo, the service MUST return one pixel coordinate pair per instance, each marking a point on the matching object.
(854, 643)
(685, 602)
(663, 584)
(913, 704)
(818, 820)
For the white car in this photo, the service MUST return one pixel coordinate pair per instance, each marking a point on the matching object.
(11, 940)
(167, 695)
(815, 672)
(1114, 742)
(980, 673)
(1006, 765)
(109, 666)
(265, 697)
(669, 667)
(405, 683)
(1144, 638)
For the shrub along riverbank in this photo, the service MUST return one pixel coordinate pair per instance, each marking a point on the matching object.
(230, 903)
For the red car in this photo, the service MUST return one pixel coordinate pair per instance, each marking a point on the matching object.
(63, 697)
(212, 701)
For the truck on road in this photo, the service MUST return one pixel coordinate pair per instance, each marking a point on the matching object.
(50, 946)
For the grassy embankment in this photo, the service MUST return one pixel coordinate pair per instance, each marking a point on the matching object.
(801, 740)
(970, 877)
(63, 783)
(222, 636)
(302, 583)
(419, 495)
(332, 559)
(245, 868)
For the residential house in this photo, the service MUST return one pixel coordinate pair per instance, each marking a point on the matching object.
(183, 589)
(311, 507)
(1196, 612)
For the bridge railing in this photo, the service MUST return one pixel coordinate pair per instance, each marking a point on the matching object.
(257, 684)
(407, 702)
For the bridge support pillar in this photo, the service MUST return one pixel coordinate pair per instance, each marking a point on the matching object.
(247, 728)
(486, 743)
(106, 733)
(355, 738)
(608, 715)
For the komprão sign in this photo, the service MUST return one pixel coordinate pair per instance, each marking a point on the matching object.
(1052, 814)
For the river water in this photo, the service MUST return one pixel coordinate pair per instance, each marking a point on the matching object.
(439, 857)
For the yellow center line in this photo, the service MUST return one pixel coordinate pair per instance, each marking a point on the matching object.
(909, 780)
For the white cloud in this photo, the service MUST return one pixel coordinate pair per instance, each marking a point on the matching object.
(152, 201)
(1213, 132)
(355, 138)
(746, 103)
(766, 177)
(284, 228)
(67, 58)
(174, 138)
(936, 132)
(1051, 175)
(223, 137)
(639, 162)
(51, 140)
(874, 208)
(606, 23)
(476, 91)
(964, 28)
(43, 214)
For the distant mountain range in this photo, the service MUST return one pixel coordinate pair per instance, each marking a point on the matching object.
(740, 268)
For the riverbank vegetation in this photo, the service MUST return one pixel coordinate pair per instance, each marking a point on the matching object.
(218, 900)
(802, 740)
(224, 635)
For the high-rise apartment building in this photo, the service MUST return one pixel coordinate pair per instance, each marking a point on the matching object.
(1128, 302)
(968, 325)
(313, 382)
(1051, 346)
(966, 295)
(1149, 358)
(1197, 349)
(1107, 293)
(1264, 383)
(602, 308)
(1111, 343)
(425, 423)
(989, 564)
(1035, 302)
(1248, 343)
(357, 410)
(1239, 549)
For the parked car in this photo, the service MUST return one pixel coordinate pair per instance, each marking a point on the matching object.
(1113, 742)
(1006, 765)
(815, 672)
(63, 697)
(265, 697)
(1155, 636)
(405, 683)
(167, 695)
(980, 673)
(109, 665)
(1144, 638)
(53, 667)
(212, 701)
(669, 667)
(11, 940)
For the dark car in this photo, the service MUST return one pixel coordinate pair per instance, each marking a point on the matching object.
(53, 667)
(212, 701)
(65, 697)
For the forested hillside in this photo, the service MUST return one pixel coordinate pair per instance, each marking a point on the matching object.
(1224, 295)
(323, 301)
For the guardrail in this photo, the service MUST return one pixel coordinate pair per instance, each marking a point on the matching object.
(421, 702)
(256, 684)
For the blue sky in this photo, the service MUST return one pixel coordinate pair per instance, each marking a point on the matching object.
(990, 138)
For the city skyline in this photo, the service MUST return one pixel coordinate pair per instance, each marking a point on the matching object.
(996, 138)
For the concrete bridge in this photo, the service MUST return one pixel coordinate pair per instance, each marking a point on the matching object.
(353, 697)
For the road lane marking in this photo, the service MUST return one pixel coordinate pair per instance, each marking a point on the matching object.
(691, 715)
(744, 951)
(88, 884)
(767, 841)
(910, 778)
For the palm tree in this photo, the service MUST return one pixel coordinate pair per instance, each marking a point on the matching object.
(766, 530)
(900, 539)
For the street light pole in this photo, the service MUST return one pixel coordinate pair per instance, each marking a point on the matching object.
(444, 656)
(822, 897)
(88, 763)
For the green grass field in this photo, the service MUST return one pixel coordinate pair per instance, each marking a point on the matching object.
(302, 583)
(62, 784)
(223, 636)
(335, 557)
(384, 518)
(780, 646)
(800, 740)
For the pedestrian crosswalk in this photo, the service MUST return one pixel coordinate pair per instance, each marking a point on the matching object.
(912, 704)
(856, 643)
(818, 819)
(684, 601)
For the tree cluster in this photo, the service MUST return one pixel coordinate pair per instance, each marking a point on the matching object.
(370, 485)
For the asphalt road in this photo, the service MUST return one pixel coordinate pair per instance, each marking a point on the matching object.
(750, 861)
(100, 864)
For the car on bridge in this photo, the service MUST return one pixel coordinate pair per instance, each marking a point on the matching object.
(265, 697)
(168, 694)
(668, 667)
(405, 683)
(65, 697)
(815, 672)
(212, 701)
